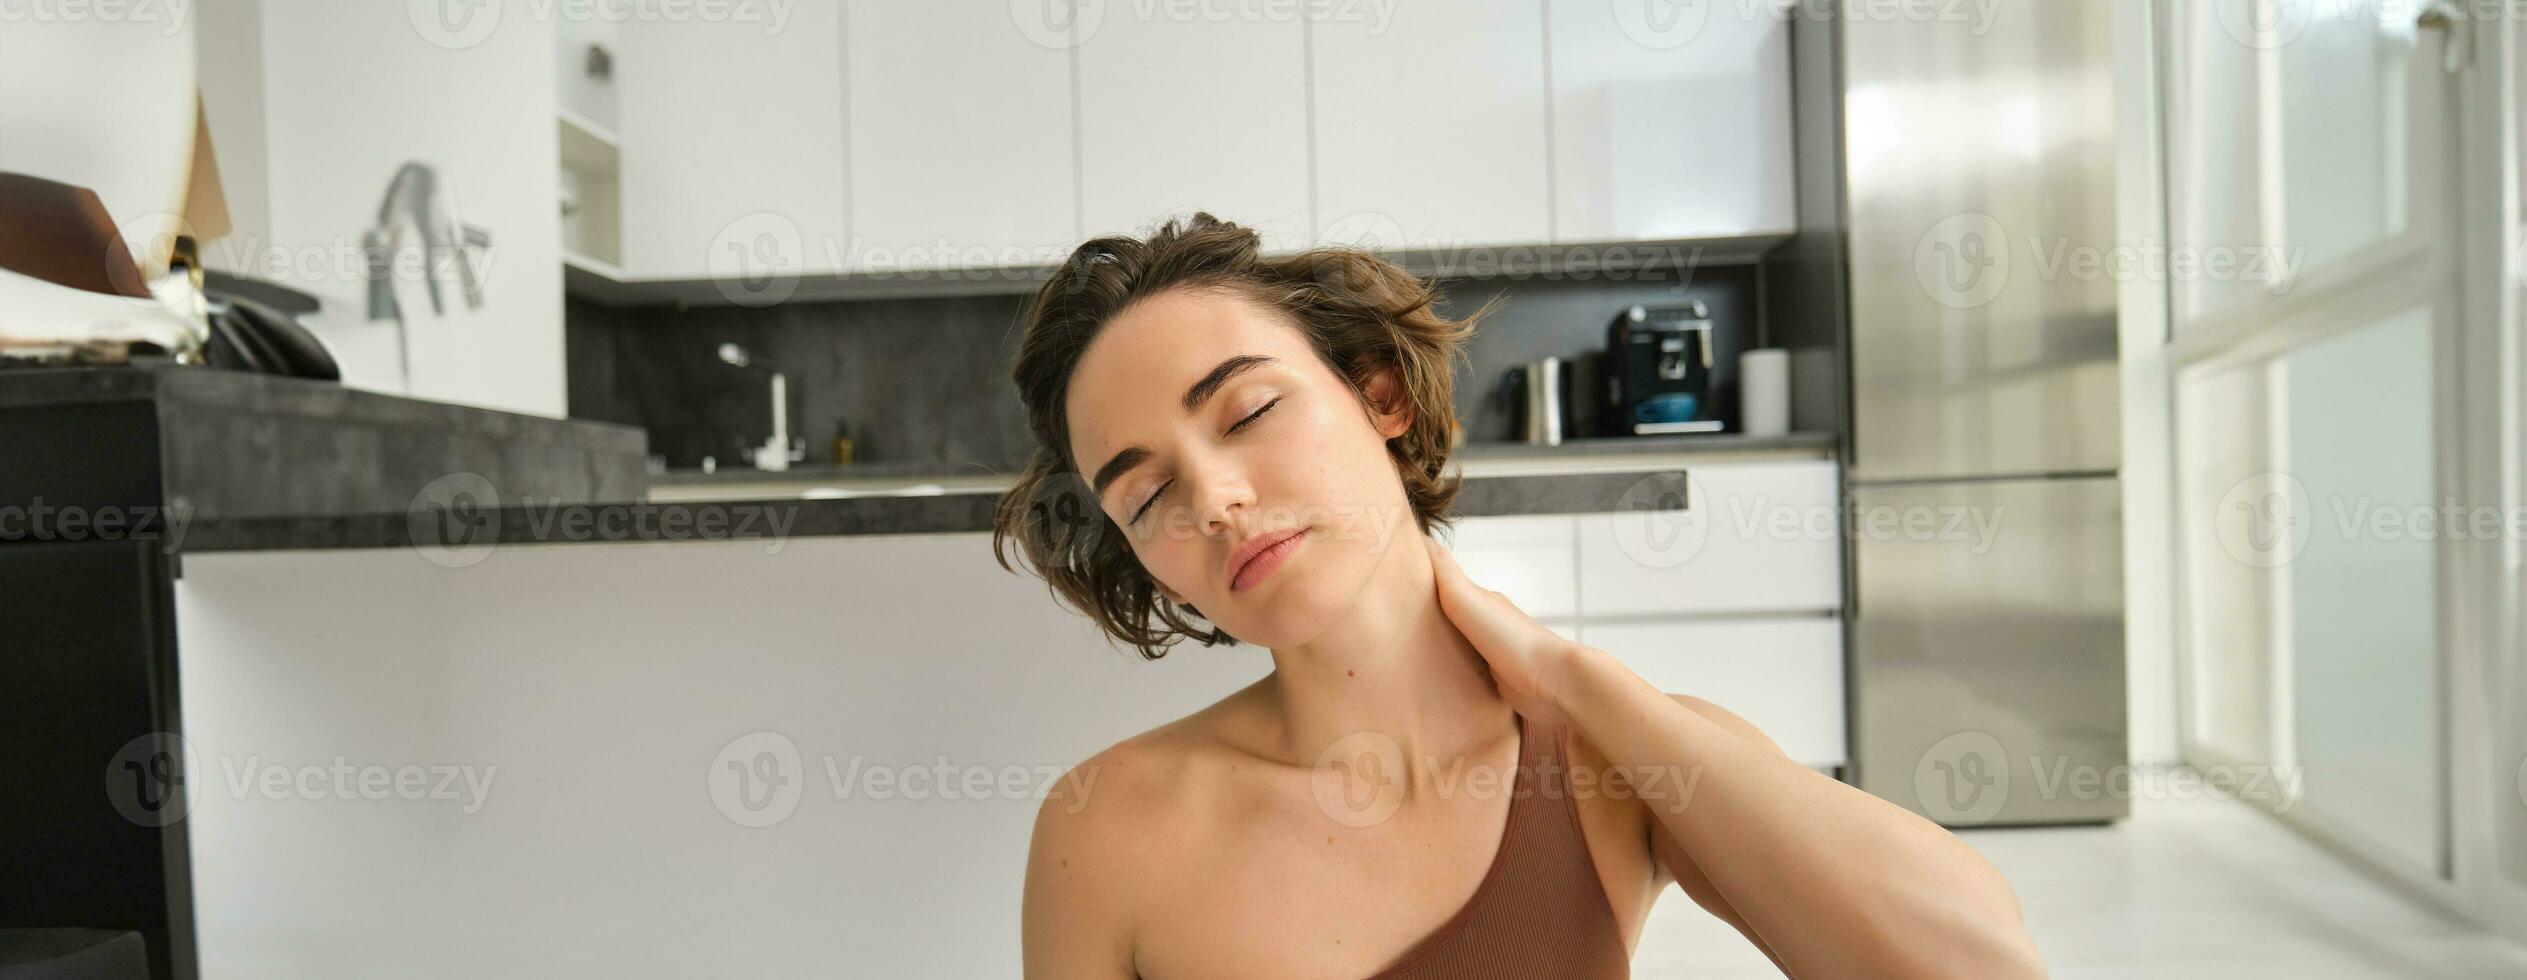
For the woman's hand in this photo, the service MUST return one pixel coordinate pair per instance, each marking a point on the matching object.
(1525, 658)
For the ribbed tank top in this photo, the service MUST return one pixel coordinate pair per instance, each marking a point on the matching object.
(1541, 910)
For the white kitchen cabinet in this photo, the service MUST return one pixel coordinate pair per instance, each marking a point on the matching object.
(1431, 125)
(1224, 132)
(1670, 120)
(1783, 675)
(962, 153)
(732, 146)
(1529, 559)
(1754, 537)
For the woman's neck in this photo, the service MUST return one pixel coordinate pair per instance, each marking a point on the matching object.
(1395, 665)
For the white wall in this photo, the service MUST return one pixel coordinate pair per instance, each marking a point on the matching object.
(347, 93)
(603, 681)
(102, 102)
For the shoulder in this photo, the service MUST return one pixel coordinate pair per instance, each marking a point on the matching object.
(1108, 831)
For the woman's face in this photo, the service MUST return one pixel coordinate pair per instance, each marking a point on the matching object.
(1273, 441)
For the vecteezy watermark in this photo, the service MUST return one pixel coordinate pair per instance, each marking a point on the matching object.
(1667, 24)
(1359, 780)
(759, 779)
(36, 520)
(1666, 519)
(1966, 779)
(1965, 261)
(457, 24)
(2267, 519)
(457, 520)
(169, 16)
(1070, 23)
(323, 264)
(157, 779)
(2268, 24)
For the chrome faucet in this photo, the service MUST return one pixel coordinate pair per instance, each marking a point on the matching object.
(416, 193)
(778, 451)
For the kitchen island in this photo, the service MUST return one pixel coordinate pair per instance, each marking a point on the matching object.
(521, 732)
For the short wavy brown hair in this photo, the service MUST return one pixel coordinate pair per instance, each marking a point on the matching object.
(1360, 312)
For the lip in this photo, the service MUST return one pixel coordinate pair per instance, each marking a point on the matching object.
(1256, 547)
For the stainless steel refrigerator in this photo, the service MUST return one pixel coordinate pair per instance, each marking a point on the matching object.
(1976, 191)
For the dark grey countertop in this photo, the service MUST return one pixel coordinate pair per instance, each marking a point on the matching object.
(913, 471)
(215, 444)
(246, 462)
(459, 530)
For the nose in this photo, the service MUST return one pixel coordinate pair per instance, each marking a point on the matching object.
(1218, 493)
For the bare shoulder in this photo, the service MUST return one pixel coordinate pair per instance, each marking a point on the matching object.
(1105, 836)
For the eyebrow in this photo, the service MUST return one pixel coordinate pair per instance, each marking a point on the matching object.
(1200, 392)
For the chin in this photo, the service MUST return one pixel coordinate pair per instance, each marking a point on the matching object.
(1303, 596)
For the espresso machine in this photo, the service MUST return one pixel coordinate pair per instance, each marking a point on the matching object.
(1658, 372)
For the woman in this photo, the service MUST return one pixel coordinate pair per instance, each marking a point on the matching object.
(1233, 448)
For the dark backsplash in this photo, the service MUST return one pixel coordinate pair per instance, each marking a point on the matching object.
(927, 380)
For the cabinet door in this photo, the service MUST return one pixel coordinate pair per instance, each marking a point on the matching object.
(1532, 560)
(1783, 675)
(732, 139)
(1753, 538)
(1224, 132)
(961, 146)
(1670, 120)
(1430, 124)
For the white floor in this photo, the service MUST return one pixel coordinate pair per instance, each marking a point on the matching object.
(2207, 888)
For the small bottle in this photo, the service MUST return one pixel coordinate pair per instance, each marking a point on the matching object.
(842, 442)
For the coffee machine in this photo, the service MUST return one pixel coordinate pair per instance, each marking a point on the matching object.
(1658, 372)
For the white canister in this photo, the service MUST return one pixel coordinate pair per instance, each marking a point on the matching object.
(1763, 391)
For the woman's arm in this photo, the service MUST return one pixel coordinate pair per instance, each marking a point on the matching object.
(1838, 882)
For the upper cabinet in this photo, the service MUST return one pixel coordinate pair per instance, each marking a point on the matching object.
(1178, 115)
(732, 145)
(1670, 120)
(879, 136)
(962, 153)
(1431, 124)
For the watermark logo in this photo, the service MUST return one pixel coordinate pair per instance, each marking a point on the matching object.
(1661, 24)
(1371, 230)
(1963, 779)
(1057, 23)
(1359, 779)
(2263, 24)
(454, 522)
(760, 779)
(2264, 520)
(150, 780)
(36, 520)
(454, 24)
(1660, 520)
(756, 260)
(158, 778)
(756, 780)
(1963, 261)
(169, 15)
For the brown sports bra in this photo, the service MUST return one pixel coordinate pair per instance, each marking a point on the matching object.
(1541, 910)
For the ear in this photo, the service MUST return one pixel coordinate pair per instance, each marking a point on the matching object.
(1389, 407)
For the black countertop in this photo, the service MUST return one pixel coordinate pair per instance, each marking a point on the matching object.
(229, 462)
(461, 528)
(209, 444)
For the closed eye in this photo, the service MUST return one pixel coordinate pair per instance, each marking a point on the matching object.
(1232, 430)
